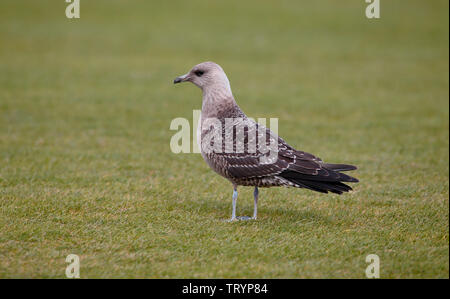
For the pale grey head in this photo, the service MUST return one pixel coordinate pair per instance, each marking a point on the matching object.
(206, 75)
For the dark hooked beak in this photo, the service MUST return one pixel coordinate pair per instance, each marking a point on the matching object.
(180, 79)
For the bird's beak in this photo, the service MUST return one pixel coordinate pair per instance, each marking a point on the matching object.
(181, 79)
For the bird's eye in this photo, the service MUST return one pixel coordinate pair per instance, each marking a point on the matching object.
(199, 73)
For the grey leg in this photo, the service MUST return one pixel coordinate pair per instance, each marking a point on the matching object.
(255, 207)
(233, 213)
(235, 195)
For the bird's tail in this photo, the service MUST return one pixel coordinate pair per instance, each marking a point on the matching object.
(340, 167)
(324, 184)
(324, 187)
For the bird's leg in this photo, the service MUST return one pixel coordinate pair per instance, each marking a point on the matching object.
(255, 207)
(233, 213)
(235, 195)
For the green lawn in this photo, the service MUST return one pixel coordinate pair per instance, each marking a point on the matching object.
(86, 167)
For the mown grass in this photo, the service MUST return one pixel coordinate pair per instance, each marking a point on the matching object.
(85, 163)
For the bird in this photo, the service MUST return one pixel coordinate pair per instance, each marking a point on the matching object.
(255, 156)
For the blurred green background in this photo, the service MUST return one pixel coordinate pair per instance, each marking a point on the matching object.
(86, 167)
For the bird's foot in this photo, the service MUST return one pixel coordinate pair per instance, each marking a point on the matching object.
(241, 218)
(244, 218)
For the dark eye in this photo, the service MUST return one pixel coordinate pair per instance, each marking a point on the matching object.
(199, 73)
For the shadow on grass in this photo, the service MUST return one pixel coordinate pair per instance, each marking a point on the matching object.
(221, 210)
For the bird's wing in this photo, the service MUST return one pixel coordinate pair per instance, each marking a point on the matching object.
(284, 160)
(262, 152)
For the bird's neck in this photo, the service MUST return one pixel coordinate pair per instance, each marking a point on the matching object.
(217, 91)
(216, 99)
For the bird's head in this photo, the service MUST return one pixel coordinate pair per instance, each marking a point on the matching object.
(206, 75)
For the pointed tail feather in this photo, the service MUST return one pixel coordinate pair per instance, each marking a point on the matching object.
(340, 167)
(323, 187)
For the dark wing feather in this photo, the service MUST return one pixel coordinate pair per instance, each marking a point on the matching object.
(300, 168)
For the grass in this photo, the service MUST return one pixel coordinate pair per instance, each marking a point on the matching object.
(85, 163)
